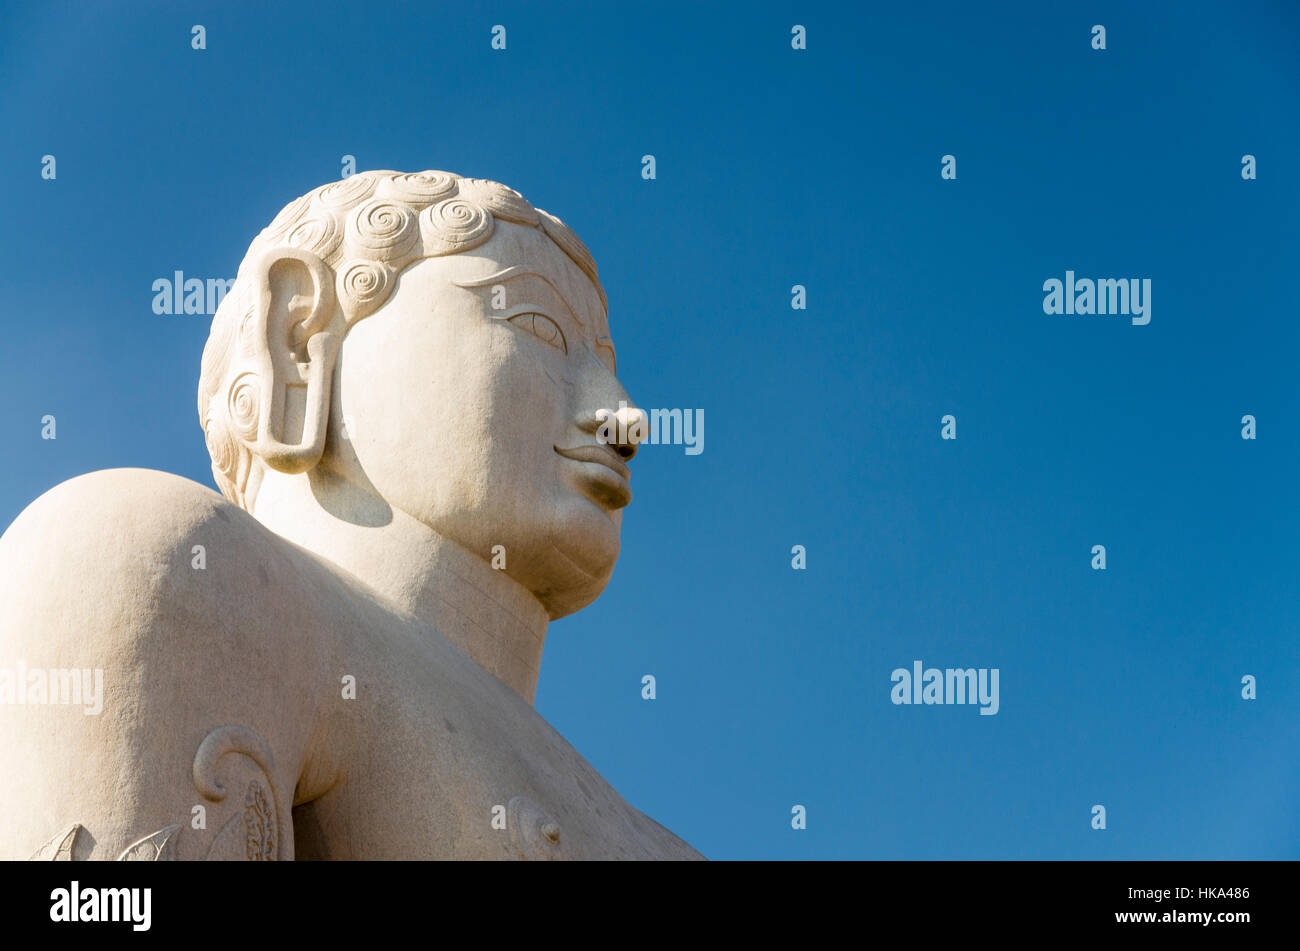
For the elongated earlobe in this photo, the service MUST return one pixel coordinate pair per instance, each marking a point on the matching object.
(295, 305)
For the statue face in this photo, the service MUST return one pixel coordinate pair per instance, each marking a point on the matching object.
(466, 396)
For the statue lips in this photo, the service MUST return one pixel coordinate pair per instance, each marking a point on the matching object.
(613, 493)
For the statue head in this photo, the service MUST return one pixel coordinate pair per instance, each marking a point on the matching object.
(442, 347)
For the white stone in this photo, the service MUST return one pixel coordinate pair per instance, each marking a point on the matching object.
(405, 379)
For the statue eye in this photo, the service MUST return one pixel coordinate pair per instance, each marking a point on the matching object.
(542, 327)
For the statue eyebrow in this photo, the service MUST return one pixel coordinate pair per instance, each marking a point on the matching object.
(519, 270)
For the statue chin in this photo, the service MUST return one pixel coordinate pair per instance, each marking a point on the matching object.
(578, 570)
(570, 600)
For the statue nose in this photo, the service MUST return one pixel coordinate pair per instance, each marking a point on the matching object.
(631, 429)
(622, 429)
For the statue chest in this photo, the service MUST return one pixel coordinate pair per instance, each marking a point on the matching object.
(447, 763)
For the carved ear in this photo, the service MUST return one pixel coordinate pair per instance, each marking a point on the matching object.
(295, 354)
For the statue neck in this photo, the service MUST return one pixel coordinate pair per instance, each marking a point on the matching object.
(488, 615)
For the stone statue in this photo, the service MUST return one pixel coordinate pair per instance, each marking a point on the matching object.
(411, 403)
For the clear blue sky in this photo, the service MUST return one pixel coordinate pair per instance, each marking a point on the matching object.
(775, 168)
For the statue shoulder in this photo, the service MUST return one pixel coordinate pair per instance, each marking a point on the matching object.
(114, 512)
(192, 635)
(121, 553)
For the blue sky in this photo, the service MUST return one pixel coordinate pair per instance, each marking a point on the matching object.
(775, 167)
